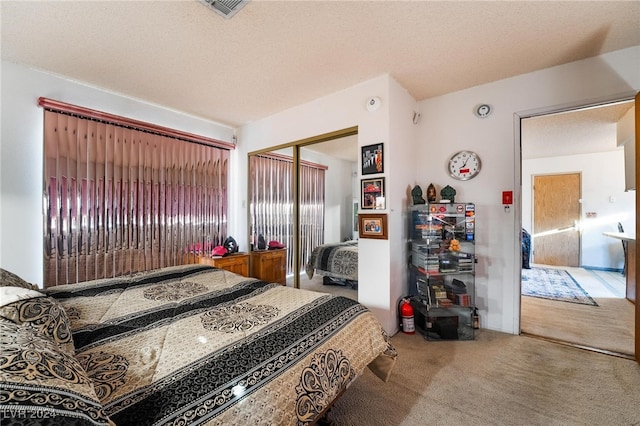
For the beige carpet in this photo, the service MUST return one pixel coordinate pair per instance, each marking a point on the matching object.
(608, 326)
(498, 379)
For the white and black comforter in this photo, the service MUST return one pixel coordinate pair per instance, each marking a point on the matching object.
(200, 345)
(338, 260)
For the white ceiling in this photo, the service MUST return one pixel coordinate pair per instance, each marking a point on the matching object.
(273, 55)
(581, 131)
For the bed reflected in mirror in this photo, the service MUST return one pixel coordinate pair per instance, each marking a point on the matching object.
(329, 250)
(326, 208)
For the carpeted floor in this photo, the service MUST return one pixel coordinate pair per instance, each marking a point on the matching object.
(498, 379)
(554, 284)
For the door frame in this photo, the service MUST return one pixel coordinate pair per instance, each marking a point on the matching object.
(517, 185)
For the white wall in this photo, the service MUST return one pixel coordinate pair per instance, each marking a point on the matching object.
(626, 138)
(448, 124)
(602, 177)
(338, 195)
(400, 154)
(21, 153)
(342, 110)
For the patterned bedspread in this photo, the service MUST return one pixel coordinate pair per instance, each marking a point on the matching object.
(200, 345)
(339, 260)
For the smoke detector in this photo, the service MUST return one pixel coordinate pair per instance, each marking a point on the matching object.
(226, 8)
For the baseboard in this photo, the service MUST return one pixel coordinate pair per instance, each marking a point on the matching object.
(599, 268)
(578, 346)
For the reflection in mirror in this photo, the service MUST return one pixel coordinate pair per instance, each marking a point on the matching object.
(329, 252)
(322, 210)
(271, 207)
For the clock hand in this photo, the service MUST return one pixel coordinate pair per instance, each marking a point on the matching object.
(462, 169)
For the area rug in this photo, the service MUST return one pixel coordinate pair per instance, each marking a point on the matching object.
(554, 284)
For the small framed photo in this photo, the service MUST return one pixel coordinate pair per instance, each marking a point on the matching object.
(372, 194)
(373, 226)
(372, 159)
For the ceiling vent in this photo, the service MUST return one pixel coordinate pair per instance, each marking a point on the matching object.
(226, 8)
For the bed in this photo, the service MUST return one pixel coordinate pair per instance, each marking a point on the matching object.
(336, 262)
(183, 345)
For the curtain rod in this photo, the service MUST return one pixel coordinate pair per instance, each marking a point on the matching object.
(65, 108)
(283, 157)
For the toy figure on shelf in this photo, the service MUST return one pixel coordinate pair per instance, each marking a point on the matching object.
(416, 193)
(431, 193)
(262, 243)
(448, 193)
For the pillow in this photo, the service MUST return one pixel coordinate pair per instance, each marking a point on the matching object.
(44, 314)
(41, 384)
(9, 279)
(13, 294)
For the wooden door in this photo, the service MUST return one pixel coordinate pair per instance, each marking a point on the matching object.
(556, 212)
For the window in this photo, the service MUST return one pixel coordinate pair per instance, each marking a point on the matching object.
(122, 196)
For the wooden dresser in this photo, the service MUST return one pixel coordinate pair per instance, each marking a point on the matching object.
(236, 262)
(270, 265)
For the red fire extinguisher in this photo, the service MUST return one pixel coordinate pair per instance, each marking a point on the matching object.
(406, 311)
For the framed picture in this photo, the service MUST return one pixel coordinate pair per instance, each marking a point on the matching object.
(372, 159)
(373, 226)
(372, 194)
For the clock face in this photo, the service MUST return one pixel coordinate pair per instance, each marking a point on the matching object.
(464, 165)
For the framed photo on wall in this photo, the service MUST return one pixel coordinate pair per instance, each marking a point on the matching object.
(372, 159)
(372, 194)
(373, 226)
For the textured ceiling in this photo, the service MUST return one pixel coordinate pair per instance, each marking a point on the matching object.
(583, 131)
(274, 55)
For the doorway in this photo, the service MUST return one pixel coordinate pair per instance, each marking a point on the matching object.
(568, 201)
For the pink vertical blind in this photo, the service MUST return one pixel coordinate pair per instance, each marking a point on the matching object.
(312, 208)
(120, 199)
(271, 205)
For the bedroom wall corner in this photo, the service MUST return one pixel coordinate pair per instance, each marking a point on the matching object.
(403, 135)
